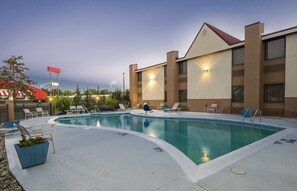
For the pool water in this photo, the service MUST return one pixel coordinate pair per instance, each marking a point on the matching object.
(200, 140)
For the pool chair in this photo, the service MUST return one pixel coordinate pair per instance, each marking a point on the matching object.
(174, 108)
(122, 107)
(72, 110)
(80, 109)
(213, 108)
(40, 112)
(26, 132)
(28, 113)
(9, 127)
(147, 108)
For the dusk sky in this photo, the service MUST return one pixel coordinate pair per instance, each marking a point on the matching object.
(94, 42)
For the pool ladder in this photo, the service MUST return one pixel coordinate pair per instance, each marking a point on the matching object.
(96, 108)
(252, 116)
(86, 109)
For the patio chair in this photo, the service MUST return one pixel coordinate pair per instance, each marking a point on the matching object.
(161, 106)
(174, 108)
(32, 133)
(9, 127)
(147, 108)
(41, 112)
(71, 110)
(80, 109)
(213, 107)
(28, 113)
(122, 107)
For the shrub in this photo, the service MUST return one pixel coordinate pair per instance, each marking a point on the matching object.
(62, 103)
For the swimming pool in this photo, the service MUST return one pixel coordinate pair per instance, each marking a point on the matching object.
(200, 140)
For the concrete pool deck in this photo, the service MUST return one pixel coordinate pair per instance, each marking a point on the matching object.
(100, 159)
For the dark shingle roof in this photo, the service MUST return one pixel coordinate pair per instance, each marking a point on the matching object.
(226, 37)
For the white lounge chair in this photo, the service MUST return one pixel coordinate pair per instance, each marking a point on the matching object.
(80, 109)
(28, 113)
(71, 110)
(213, 108)
(40, 111)
(122, 107)
(174, 108)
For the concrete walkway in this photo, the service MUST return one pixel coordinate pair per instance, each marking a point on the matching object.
(100, 159)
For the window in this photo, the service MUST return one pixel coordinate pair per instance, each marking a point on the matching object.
(139, 76)
(275, 48)
(274, 93)
(183, 67)
(238, 56)
(182, 95)
(237, 94)
(165, 95)
(165, 71)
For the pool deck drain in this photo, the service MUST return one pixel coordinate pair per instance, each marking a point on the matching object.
(237, 171)
(96, 159)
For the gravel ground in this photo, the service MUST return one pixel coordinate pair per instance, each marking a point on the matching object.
(7, 180)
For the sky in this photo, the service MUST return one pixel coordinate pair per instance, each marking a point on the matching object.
(93, 42)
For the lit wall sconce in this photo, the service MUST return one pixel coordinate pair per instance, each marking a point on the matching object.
(151, 80)
(205, 70)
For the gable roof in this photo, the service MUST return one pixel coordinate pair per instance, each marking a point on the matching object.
(226, 37)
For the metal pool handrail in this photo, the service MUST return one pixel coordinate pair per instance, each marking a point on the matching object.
(243, 116)
(86, 109)
(260, 112)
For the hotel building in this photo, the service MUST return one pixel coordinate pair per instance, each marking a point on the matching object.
(259, 72)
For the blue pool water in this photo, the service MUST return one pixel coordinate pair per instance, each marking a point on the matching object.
(200, 140)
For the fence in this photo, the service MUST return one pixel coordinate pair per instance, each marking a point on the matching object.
(18, 109)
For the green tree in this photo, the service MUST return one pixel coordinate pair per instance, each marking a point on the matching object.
(77, 97)
(88, 101)
(104, 91)
(13, 77)
(46, 90)
(67, 93)
(98, 90)
(117, 94)
(92, 91)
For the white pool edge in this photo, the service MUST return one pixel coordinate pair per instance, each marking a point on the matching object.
(193, 171)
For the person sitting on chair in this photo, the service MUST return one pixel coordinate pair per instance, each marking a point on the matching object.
(147, 108)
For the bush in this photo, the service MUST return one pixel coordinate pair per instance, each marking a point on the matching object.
(111, 102)
(62, 103)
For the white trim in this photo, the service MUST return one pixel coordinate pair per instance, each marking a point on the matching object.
(277, 34)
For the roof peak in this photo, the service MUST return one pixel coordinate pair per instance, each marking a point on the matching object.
(226, 37)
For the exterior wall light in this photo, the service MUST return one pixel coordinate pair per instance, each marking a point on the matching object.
(205, 70)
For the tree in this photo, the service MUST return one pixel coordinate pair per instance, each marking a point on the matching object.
(13, 77)
(77, 97)
(67, 93)
(104, 91)
(46, 90)
(88, 101)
